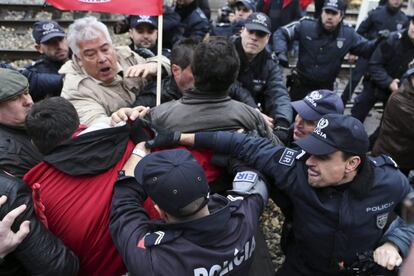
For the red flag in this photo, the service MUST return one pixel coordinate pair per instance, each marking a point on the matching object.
(134, 7)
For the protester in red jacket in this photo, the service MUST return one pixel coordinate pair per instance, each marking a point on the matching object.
(74, 183)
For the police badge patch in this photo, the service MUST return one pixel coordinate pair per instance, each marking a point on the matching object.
(288, 157)
(382, 220)
(339, 43)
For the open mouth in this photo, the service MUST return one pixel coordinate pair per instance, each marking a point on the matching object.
(105, 70)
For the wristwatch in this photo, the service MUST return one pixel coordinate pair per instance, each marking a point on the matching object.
(139, 152)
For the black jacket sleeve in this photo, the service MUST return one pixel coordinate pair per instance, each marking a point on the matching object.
(40, 253)
(238, 93)
(129, 223)
(277, 100)
(42, 85)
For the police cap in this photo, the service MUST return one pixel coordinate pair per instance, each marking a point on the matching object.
(336, 132)
(174, 180)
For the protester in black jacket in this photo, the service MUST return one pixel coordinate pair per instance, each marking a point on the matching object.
(40, 253)
(17, 153)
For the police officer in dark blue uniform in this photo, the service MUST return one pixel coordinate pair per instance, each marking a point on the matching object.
(143, 33)
(342, 198)
(50, 39)
(260, 73)
(380, 22)
(386, 66)
(323, 43)
(194, 22)
(199, 234)
(242, 10)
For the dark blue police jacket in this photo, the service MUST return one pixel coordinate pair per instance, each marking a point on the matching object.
(321, 52)
(220, 243)
(330, 225)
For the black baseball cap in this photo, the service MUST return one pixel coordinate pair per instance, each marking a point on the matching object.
(248, 4)
(258, 21)
(318, 103)
(173, 179)
(137, 20)
(46, 30)
(336, 132)
(335, 5)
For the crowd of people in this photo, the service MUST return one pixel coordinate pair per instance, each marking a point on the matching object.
(96, 179)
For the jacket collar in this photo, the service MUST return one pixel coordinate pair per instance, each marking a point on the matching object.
(195, 96)
(205, 229)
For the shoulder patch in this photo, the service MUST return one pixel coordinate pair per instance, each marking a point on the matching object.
(157, 238)
(383, 160)
(288, 157)
(201, 13)
(307, 18)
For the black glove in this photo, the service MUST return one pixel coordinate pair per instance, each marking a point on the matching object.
(137, 132)
(283, 59)
(282, 133)
(162, 137)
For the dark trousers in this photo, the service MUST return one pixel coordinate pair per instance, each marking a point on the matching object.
(364, 102)
(355, 76)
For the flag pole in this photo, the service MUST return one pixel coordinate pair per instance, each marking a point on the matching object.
(159, 53)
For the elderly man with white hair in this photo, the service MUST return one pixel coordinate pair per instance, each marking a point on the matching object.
(101, 78)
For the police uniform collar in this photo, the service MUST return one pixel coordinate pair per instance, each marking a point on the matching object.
(205, 229)
(362, 183)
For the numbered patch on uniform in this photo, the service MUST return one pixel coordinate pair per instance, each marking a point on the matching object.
(382, 220)
(288, 157)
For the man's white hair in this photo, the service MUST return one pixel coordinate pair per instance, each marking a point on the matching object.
(86, 28)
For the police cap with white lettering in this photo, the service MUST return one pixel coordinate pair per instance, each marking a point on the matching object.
(258, 21)
(334, 5)
(135, 21)
(336, 132)
(45, 30)
(175, 181)
(318, 103)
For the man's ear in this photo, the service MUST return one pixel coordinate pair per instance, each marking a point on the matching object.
(130, 33)
(175, 70)
(37, 47)
(352, 163)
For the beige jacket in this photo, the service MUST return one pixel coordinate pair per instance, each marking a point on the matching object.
(95, 101)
